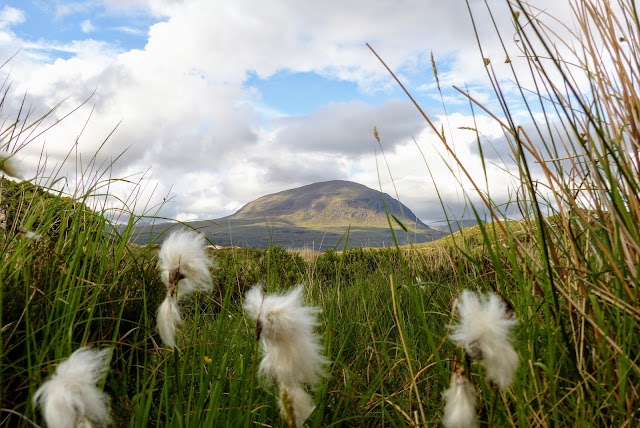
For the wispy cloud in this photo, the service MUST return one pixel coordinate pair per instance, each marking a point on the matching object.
(66, 8)
(130, 30)
(87, 27)
(10, 16)
(75, 47)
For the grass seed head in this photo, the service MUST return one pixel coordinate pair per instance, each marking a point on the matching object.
(184, 263)
(168, 320)
(70, 398)
(9, 165)
(292, 352)
(484, 332)
(460, 404)
(296, 405)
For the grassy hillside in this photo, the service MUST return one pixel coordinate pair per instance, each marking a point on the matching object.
(261, 234)
(90, 287)
(385, 323)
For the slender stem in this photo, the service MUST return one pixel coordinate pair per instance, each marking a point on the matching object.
(406, 350)
(179, 413)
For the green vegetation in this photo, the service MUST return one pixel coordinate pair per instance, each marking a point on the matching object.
(571, 277)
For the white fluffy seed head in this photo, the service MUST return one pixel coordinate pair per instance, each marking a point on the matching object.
(30, 235)
(9, 165)
(168, 318)
(501, 361)
(184, 253)
(292, 352)
(460, 404)
(70, 398)
(484, 332)
(296, 405)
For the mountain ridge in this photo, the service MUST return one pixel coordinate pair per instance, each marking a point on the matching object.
(336, 202)
(333, 213)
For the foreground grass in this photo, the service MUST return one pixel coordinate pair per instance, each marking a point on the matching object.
(571, 277)
(83, 284)
(385, 321)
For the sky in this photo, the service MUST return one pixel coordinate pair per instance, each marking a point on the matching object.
(202, 106)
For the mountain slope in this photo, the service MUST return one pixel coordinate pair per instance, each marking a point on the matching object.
(318, 215)
(454, 225)
(336, 203)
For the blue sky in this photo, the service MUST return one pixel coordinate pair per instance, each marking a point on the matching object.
(51, 21)
(300, 93)
(287, 92)
(218, 103)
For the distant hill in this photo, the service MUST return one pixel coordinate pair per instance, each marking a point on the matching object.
(317, 215)
(337, 203)
(454, 225)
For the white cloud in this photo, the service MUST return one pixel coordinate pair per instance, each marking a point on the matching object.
(65, 8)
(130, 30)
(347, 128)
(10, 16)
(185, 111)
(422, 169)
(87, 27)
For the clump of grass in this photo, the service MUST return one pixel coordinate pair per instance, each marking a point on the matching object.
(572, 271)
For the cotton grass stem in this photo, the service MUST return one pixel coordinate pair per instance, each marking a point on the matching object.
(414, 385)
(179, 388)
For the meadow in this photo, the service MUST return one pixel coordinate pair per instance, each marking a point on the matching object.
(568, 268)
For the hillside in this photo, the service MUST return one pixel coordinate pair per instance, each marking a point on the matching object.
(337, 202)
(316, 216)
(454, 225)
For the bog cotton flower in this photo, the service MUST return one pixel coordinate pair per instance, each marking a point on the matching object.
(184, 263)
(168, 320)
(9, 165)
(184, 267)
(460, 404)
(296, 405)
(484, 332)
(291, 349)
(71, 398)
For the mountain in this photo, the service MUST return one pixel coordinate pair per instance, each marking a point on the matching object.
(317, 215)
(336, 203)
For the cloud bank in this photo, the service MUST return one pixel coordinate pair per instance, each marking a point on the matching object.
(180, 115)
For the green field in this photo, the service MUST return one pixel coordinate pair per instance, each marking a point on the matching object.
(261, 234)
(571, 277)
